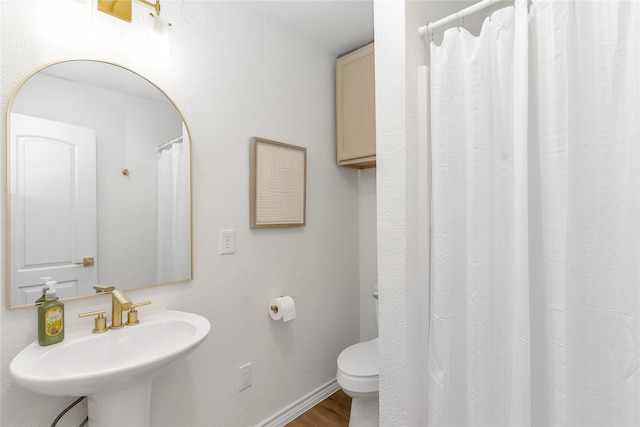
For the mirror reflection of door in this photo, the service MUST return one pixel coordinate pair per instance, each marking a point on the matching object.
(53, 207)
(144, 221)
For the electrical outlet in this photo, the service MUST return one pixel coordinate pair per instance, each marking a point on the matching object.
(245, 376)
(227, 241)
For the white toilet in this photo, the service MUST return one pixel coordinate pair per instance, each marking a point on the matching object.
(358, 371)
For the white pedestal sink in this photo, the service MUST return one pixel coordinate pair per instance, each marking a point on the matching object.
(113, 369)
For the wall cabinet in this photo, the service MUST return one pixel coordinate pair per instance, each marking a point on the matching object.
(356, 109)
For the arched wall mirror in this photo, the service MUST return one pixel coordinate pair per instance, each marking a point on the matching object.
(99, 183)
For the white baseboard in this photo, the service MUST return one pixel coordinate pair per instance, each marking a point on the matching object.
(301, 405)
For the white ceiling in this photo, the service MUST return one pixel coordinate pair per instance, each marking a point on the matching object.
(106, 75)
(341, 26)
(337, 25)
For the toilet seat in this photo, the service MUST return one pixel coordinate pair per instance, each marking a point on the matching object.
(358, 367)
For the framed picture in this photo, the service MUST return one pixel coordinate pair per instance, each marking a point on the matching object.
(278, 184)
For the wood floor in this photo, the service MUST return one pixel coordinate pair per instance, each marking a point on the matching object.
(331, 412)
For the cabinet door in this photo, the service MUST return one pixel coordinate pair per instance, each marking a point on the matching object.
(355, 108)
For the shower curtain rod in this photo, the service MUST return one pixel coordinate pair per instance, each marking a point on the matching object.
(166, 145)
(432, 26)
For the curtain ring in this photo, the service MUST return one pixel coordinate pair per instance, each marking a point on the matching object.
(490, 10)
(458, 19)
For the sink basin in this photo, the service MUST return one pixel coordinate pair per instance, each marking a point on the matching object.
(110, 363)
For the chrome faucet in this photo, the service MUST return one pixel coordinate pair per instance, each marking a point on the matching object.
(119, 302)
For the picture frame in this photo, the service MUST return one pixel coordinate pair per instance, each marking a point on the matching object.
(278, 184)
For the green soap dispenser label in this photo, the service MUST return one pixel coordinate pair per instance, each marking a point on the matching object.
(53, 321)
(50, 320)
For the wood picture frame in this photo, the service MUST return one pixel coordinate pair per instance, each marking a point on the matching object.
(278, 184)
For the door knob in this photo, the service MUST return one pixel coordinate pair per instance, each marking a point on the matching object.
(86, 262)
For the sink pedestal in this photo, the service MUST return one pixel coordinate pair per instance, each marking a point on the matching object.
(129, 407)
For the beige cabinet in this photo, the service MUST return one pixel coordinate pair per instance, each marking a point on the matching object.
(356, 109)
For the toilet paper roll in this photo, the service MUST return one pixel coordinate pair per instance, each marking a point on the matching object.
(282, 308)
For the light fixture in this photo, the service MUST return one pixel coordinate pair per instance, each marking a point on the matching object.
(122, 8)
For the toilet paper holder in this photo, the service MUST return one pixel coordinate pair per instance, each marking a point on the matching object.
(282, 308)
(274, 307)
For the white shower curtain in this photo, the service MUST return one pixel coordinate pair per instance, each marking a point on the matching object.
(535, 287)
(173, 254)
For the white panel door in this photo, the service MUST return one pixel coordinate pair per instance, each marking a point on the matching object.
(53, 207)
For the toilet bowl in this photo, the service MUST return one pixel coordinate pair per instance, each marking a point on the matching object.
(358, 372)
(358, 378)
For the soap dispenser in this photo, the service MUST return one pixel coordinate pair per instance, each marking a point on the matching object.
(47, 285)
(50, 318)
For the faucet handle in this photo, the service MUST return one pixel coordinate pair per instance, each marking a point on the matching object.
(100, 321)
(103, 288)
(132, 315)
